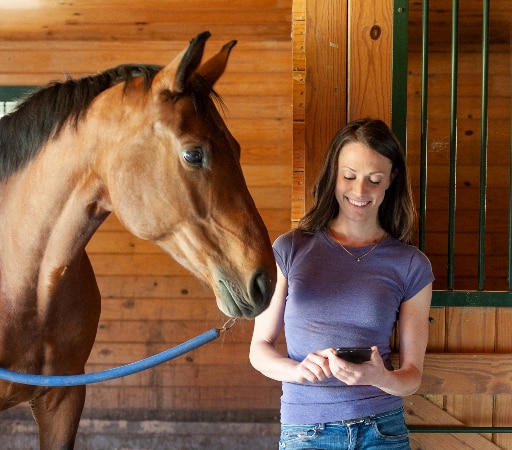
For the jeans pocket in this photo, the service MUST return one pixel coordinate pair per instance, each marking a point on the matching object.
(391, 426)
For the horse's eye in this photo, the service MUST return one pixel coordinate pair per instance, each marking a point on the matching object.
(193, 155)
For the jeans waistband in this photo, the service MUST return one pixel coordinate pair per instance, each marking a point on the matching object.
(368, 419)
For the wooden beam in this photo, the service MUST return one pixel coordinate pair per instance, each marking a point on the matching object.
(325, 83)
(465, 374)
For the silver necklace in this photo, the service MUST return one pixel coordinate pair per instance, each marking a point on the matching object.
(357, 258)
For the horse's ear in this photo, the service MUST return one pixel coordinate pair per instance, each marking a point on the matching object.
(190, 61)
(174, 76)
(212, 69)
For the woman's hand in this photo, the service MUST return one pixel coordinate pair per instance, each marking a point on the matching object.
(315, 367)
(367, 373)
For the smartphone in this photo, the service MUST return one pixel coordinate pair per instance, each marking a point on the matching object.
(356, 355)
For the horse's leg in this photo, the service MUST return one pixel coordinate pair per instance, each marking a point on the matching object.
(57, 414)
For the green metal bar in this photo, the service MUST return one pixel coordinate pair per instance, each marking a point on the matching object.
(453, 143)
(483, 146)
(451, 430)
(491, 299)
(399, 71)
(424, 128)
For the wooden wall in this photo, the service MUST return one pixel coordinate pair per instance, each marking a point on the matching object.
(149, 302)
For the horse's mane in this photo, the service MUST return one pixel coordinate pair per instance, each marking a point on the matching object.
(43, 114)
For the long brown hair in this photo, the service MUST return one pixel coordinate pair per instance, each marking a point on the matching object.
(397, 215)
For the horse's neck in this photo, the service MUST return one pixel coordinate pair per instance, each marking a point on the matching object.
(48, 214)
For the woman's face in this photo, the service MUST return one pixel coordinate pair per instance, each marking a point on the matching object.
(363, 177)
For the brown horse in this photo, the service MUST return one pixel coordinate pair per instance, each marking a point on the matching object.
(147, 143)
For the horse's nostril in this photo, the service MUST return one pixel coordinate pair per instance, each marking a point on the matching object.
(261, 291)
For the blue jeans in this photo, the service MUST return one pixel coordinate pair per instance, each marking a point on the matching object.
(385, 431)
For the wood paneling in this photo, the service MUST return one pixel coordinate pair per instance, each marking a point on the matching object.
(153, 20)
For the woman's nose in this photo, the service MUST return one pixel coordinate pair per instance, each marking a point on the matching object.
(358, 186)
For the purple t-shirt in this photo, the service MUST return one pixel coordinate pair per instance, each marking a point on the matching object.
(335, 301)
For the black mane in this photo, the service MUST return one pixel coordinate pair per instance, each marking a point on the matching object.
(44, 113)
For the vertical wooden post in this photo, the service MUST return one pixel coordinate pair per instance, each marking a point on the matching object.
(324, 91)
(370, 25)
(342, 71)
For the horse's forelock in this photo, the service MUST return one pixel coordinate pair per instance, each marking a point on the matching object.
(203, 94)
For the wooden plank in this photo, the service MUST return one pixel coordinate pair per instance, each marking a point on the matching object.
(276, 176)
(298, 46)
(117, 20)
(190, 375)
(502, 408)
(325, 90)
(79, 58)
(470, 329)
(175, 398)
(263, 150)
(437, 330)
(114, 353)
(370, 25)
(421, 412)
(148, 309)
(465, 374)
(299, 100)
(156, 264)
(153, 287)
(160, 331)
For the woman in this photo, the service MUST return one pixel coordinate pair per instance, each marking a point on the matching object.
(345, 275)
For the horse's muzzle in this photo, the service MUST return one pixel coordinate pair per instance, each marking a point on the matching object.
(236, 300)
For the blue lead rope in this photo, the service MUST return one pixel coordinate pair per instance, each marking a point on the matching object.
(110, 374)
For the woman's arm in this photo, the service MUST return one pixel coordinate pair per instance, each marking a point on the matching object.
(267, 359)
(413, 328)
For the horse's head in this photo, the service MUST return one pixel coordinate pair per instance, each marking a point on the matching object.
(176, 180)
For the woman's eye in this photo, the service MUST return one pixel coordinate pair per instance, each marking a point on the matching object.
(193, 155)
(349, 178)
(376, 182)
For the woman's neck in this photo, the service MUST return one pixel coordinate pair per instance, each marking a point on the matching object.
(355, 235)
